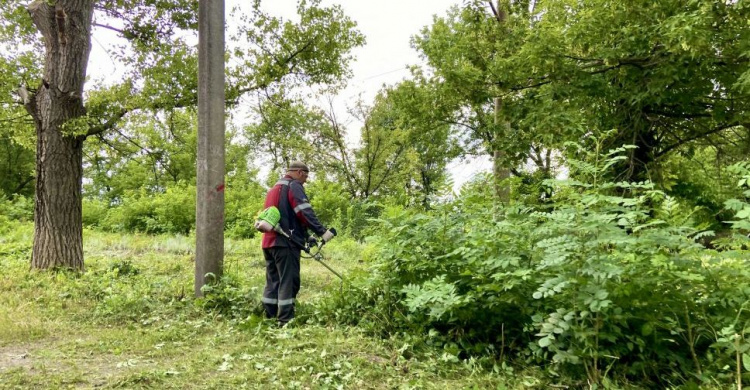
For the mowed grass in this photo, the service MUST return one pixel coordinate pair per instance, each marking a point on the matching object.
(131, 321)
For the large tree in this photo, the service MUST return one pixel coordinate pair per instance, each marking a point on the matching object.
(414, 108)
(55, 106)
(160, 75)
(470, 51)
(665, 75)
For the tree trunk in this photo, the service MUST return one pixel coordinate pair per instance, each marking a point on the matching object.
(499, 170)
(58, 236)
(634, 128)
(66, 29)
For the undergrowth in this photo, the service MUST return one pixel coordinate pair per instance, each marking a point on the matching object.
(130, 321)
(603, 285)
(606, 285)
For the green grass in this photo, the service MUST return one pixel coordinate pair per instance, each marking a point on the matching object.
(130, 321)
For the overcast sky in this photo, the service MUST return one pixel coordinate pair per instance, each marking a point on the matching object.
(388, 26)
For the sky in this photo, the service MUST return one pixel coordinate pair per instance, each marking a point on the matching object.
(388, 26)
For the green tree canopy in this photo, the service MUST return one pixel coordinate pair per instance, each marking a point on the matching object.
(666, 75)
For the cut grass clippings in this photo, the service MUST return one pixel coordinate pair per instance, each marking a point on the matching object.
(130, 321)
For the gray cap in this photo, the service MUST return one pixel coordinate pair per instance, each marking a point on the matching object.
(298, 165)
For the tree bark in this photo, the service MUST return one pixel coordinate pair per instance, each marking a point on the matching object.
(499, 171)
(66, 29)
(634, 128)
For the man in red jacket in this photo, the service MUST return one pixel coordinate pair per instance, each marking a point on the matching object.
(282, 254)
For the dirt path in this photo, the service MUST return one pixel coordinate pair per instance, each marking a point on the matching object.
(14, 356)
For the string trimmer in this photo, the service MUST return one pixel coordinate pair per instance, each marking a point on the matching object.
(268, 221)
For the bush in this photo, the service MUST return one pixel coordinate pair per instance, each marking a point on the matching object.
(359, 217)
(230, 298)
(94, 211)
(334, 207)
(243, 202)
(170, 212)
(17, 207)
(173, 211)
(700, 180)
(600, 286)
(329, 200)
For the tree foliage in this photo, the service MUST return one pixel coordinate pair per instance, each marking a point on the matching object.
(160, 76)
(666, 75)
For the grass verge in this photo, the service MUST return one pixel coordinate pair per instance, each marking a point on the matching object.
(130, 321)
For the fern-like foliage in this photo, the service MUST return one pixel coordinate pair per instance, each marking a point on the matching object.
(609, 280)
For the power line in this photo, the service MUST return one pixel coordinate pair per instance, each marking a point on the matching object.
(404, 67)
(385, 73)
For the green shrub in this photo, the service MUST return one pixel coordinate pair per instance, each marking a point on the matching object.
(230, 298)
(357, 221)
(335, 207)
(329, 200)
(17, 207)
(242, 203)
(94, 211)
(172, 211)
(124, 268)
(134, 214)
(600, 286)
(700, 179)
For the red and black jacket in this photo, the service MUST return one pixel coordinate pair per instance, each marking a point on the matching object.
(297, 214)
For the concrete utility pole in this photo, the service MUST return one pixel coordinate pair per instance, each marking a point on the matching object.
(209, 234)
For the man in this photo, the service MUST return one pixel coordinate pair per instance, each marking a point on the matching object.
(282, 255)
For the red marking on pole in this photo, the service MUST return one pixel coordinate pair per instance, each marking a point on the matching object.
(220, 187)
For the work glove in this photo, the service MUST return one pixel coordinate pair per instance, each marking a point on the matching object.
(328, 235)
(312, 242)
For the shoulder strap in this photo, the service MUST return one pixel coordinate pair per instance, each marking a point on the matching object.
(284, 196)
(284, 193)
